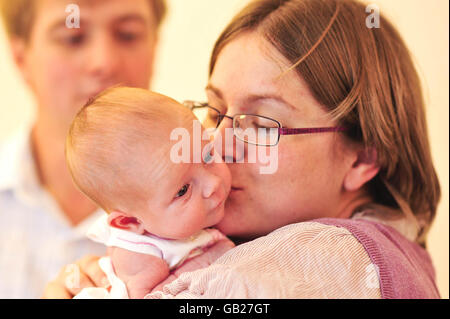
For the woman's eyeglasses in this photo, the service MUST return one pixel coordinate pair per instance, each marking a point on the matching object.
(250, 128)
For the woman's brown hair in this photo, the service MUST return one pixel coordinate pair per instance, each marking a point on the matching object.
(366, 79)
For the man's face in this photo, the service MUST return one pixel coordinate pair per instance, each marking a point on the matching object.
(65, 67)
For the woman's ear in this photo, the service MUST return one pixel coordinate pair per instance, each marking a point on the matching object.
(125, 222)
(364, 168)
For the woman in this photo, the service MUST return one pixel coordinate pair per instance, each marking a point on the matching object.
(348, 209)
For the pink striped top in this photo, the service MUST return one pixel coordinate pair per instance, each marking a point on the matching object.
(325, 258)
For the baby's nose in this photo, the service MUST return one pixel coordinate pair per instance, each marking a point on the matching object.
(213, 188)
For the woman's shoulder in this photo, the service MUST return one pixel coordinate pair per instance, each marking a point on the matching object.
(311, 235)
(404, 268)
(340, 258)
(317, 259)
(304, 260)
(294, 241)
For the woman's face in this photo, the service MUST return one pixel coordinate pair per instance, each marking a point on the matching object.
(311, 168)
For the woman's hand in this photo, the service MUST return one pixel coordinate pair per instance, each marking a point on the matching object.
(83, 274)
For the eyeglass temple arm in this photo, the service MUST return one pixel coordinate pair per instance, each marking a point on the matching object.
(295, 131)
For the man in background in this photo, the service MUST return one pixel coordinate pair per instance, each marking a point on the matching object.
(44, 216)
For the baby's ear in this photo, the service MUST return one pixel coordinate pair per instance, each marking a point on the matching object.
(123, 221)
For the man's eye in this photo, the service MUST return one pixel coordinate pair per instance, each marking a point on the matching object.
(182, 191)
(74, 40)
(127, 36)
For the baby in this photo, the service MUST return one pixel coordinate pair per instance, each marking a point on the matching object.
(118, 152)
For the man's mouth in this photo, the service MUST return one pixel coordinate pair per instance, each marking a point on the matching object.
(93, 93)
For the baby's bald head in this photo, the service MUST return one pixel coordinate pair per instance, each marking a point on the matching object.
(120, 140)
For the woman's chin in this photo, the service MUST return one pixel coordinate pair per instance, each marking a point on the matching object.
(225, 225)
(230, 226)
(231, 223)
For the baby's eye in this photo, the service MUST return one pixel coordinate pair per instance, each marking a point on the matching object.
(182, 191)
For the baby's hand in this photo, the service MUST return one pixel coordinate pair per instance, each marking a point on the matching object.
(140, 272)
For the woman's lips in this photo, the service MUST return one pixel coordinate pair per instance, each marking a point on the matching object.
(235, 190)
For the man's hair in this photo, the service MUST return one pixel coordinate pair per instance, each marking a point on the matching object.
(366, 79)
(18, 16)
(110, 138)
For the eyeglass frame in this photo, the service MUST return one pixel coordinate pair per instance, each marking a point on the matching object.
(192, 105)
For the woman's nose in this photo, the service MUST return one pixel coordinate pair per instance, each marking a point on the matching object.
(228, 147)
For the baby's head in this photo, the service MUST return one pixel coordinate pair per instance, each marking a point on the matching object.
(118, 152)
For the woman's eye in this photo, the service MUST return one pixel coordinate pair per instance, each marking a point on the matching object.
(182, 191)
(259, 125)
(212, 115)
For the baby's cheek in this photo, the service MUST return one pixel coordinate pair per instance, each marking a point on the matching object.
(188, 222)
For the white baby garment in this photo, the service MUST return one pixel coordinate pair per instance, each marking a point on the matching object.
(174, 252)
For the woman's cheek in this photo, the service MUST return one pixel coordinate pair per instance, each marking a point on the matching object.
(288, 158)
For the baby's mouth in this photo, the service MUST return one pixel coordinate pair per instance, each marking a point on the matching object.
(221, 202)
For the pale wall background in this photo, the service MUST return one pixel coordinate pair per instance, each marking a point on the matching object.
(182, 67)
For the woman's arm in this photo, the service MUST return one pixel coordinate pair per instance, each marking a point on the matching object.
(304, 260)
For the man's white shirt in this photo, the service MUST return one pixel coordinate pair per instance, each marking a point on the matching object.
(36, 239)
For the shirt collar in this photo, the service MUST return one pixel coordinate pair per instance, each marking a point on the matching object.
(389, 216)
(18, 175)
(17, 170)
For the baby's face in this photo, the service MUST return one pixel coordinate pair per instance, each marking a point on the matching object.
(186, 197)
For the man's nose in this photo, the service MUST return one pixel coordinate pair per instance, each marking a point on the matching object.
(229, 148)
(104, 58)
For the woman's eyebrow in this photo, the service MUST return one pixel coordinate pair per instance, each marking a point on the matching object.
(254, 98)
(274, 97)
